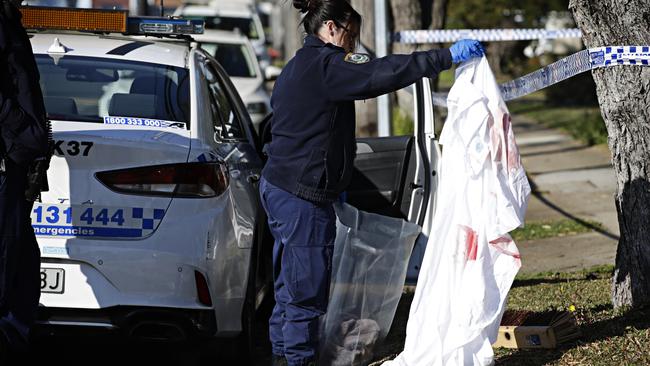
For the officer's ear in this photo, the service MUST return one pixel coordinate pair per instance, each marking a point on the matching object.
(330, 27)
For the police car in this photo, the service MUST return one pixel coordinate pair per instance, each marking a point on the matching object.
(152, 223)
(231, 15)
(235, 53)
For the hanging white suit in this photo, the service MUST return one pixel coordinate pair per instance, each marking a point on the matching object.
(470, 260)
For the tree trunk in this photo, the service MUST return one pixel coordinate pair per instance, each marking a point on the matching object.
(439, 14)
(406, 15)
(434, 13)
(624, 98)
(366, 110)
(438, 21)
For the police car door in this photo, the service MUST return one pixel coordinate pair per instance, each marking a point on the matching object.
(396, 176)
(227, 134)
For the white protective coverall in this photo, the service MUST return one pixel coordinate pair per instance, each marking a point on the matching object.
(470, 260)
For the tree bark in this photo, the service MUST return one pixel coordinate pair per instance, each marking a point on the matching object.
(624, 98)
(406, 15)
(438, 21)
(439, 14)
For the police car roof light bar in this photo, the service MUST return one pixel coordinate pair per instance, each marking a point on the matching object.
(107, 21)
(164, 26)
(87, 20)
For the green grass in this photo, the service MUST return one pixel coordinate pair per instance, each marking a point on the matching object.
(446, 79)
(609, 337)
(583, 123)
(402, 124)
(551, 229)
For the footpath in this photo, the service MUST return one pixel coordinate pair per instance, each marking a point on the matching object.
(570, 180)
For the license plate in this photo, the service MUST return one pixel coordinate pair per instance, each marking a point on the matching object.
(52, 280)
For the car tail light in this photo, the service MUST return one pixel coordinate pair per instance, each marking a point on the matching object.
(202, 290)
(188, 180)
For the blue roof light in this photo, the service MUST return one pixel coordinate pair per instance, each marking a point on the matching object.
(164, 26)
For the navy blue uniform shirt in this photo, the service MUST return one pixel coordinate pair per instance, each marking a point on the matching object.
(313, 146)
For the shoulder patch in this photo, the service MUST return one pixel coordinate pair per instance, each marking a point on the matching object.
(357, 58)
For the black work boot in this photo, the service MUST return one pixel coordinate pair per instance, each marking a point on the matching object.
(278, 360)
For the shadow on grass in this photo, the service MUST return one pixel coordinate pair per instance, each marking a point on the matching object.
(591, 333)
(556, 151)
(615, 326)
(578, 169)
(539, 281)
(589, 274)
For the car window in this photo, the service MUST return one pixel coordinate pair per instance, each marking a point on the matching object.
(224, 118)
(402, 114)
(89, 89)
(234, 58)
(246, 26)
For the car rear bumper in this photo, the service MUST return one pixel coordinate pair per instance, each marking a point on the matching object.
(139, 323)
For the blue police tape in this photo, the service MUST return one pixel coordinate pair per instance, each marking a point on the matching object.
(484, 35)
(567, 67)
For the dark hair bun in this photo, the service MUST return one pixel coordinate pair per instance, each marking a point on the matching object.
(306, 5)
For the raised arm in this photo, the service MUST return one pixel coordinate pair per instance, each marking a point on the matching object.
(354, 76)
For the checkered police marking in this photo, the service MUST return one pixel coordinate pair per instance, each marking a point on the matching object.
(567, 67)
(484, 35)
(95, 221)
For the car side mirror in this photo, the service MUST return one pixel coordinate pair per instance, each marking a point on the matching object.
(271, 73)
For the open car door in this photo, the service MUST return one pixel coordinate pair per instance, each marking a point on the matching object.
(397, 176)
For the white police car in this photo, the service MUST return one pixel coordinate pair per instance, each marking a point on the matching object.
(229, 16)
(235, 53)
(152, 223)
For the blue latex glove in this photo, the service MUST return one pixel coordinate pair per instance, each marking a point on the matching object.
(466, 49)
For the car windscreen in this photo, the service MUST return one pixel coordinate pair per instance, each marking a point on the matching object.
(89, 89)
(234, 58)
(246, 26)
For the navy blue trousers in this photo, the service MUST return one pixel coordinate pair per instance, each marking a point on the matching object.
(304, 235)
(20, 282)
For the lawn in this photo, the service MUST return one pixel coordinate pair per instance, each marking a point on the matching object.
(584, 123)
(609, 337)
(550, 229)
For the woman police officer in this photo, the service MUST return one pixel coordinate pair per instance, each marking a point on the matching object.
(311, 155)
